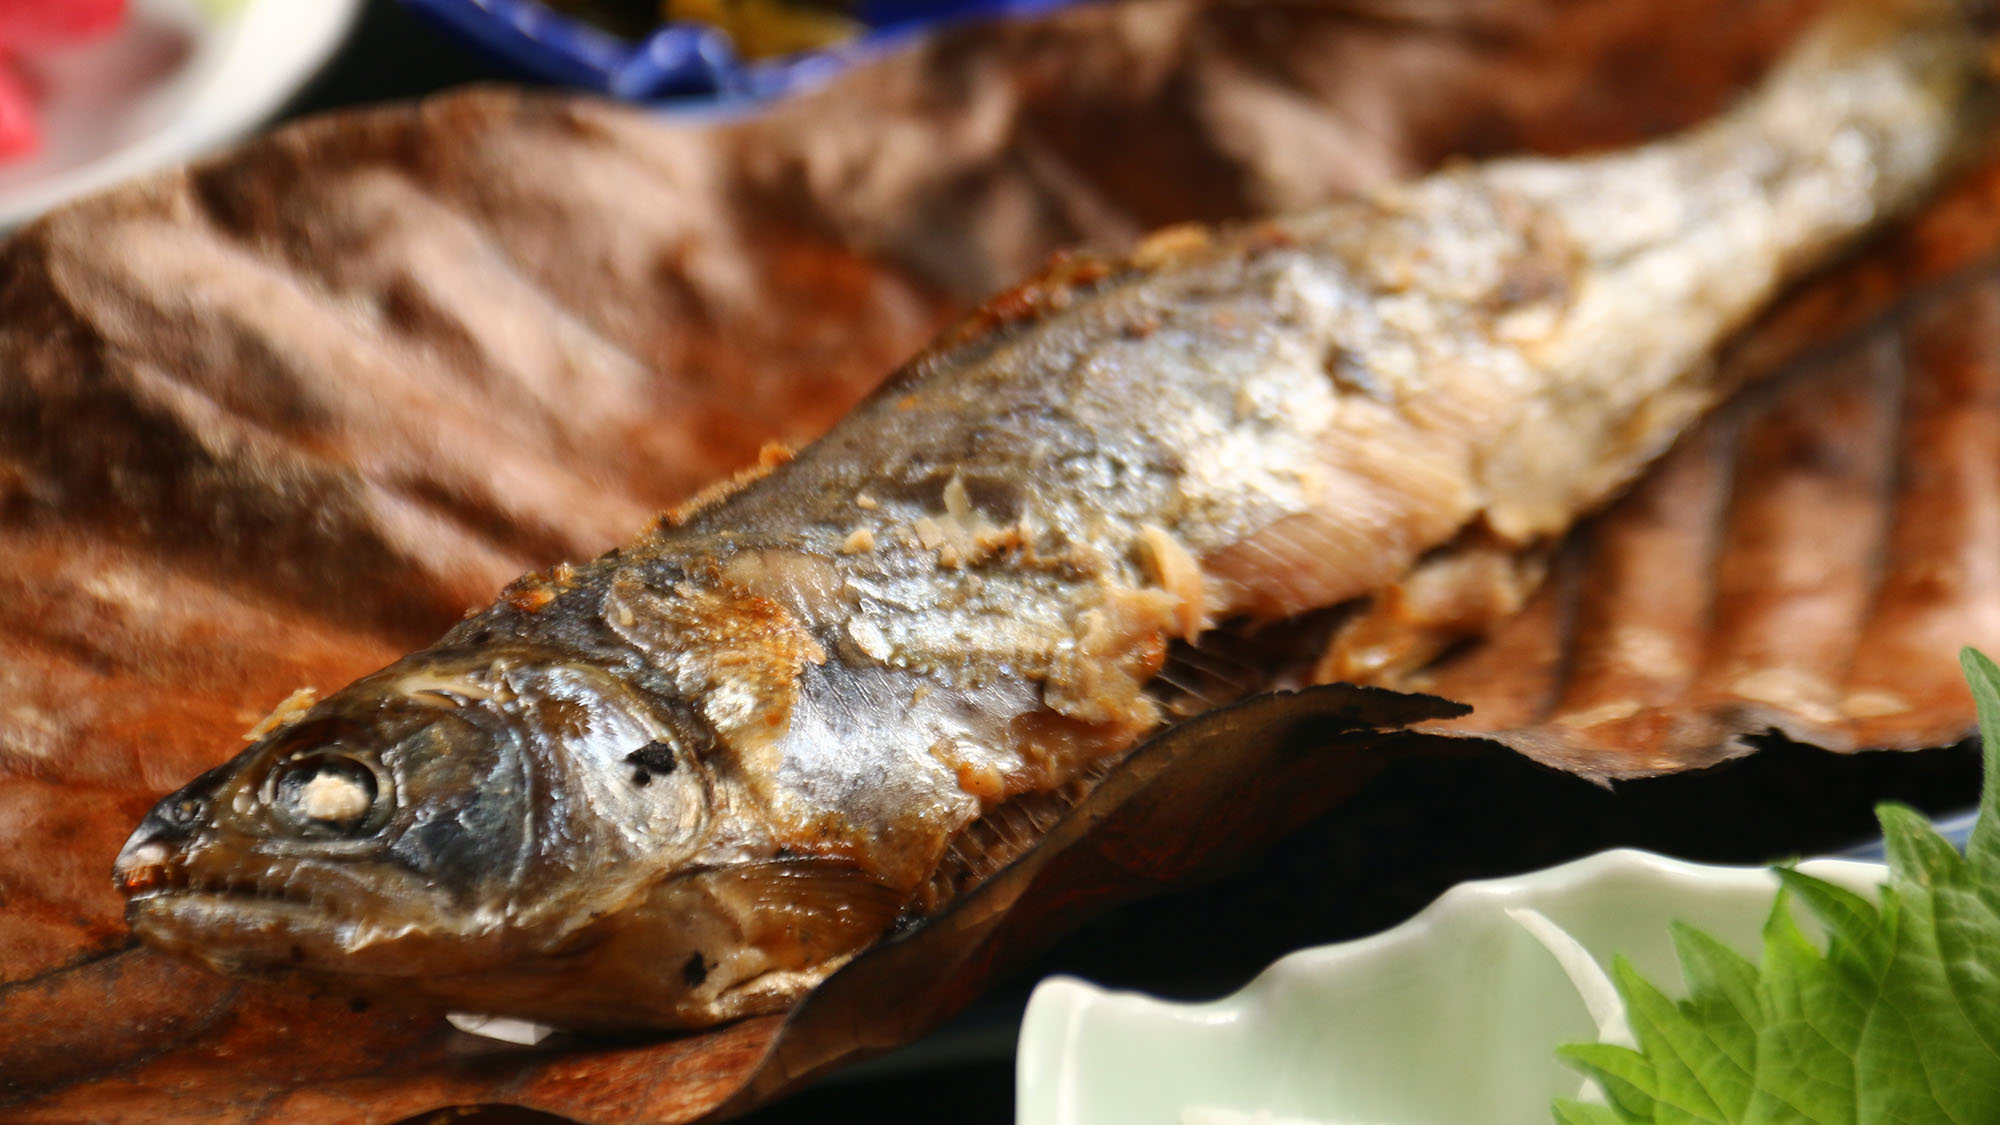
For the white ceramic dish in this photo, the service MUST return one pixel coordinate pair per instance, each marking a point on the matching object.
(169, 84)
(1449, 1019)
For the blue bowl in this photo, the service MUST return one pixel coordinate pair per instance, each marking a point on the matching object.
(683, 62)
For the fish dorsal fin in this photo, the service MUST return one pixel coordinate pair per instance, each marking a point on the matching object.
(1242, 658)
(1001, 836)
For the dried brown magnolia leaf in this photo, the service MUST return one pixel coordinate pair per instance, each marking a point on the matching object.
(268, 422)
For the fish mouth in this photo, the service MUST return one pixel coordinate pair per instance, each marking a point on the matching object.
(244, 922)
(251, 916)
(239, 913)
(146, 878)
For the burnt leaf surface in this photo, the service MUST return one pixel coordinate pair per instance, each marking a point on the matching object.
(269, 421)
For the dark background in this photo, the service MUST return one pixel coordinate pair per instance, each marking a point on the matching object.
(391, 55)
(1375, 862)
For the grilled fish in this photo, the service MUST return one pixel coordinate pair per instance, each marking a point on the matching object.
(684, 782)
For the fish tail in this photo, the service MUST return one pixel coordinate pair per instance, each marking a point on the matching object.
(1681, 241)
(1861, 118)
(1948, 48)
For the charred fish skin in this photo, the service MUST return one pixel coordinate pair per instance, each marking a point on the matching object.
(684, 782)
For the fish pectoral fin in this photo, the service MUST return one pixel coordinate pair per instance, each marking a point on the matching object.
(801, 910)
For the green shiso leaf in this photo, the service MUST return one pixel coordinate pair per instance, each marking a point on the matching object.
(1896, 1021)
(1983, 676)
(1584, 1113)
(1625, 1074)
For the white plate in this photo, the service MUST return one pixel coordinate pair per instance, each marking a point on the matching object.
(1452, 1018)
(170, 84)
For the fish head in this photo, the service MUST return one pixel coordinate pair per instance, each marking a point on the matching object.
(458, 826)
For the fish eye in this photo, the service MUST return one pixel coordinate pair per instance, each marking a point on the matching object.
(326, 794)
(185, 813)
